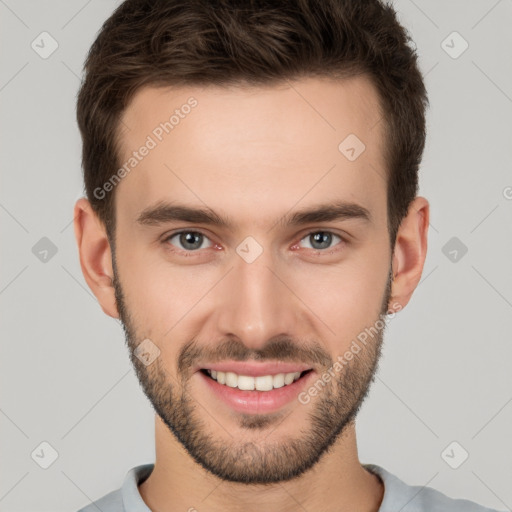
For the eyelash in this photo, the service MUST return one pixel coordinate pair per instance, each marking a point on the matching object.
(195, 252)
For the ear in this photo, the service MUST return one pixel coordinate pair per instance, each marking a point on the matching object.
(409, 253)
(95, 255)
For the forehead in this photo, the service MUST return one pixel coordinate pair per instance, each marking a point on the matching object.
(242, 150)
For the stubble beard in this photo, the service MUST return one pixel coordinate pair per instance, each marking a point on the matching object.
(267, 460)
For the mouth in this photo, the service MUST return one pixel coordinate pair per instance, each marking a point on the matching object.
(262, 383)
(265, 391)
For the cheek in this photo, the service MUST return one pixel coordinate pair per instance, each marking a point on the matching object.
(347, 298)
(163, 299)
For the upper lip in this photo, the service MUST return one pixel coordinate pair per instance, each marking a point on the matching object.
(255, 369)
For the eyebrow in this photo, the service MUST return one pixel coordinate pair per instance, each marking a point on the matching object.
(163, 212)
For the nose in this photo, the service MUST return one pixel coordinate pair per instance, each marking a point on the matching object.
(257, 302)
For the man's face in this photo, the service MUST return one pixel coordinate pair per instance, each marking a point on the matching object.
(260, 289)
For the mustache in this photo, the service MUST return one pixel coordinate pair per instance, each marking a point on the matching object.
(280, 348)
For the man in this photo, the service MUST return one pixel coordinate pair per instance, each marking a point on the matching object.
(252, 219)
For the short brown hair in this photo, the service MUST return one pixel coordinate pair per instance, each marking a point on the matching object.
(251, 42)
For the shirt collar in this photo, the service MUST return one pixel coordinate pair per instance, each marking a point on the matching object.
(132, 500)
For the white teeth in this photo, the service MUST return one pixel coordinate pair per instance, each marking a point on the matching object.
(248, 383)
(278, 381)
(289, 378)
(264, 383)
(231, 379)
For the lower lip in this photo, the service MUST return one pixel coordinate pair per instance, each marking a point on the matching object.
(257, 402)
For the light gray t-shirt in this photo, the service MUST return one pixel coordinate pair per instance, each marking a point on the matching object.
(398, 496)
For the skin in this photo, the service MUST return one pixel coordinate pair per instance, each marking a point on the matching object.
(254, 155)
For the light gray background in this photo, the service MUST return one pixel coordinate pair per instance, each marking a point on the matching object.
(445, 376)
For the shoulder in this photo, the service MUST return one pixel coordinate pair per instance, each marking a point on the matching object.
(415, 498)
(125, 498)
(111, 502)
(432, 500)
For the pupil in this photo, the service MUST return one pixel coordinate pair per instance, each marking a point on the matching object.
(190, 238)
(323, 238)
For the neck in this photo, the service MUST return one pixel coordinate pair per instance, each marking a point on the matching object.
(337, 482)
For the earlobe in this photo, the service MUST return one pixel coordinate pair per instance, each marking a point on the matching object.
(95, 255)
(410, 252)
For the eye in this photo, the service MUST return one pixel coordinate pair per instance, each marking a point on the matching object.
(321, 240)
(188, 241)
